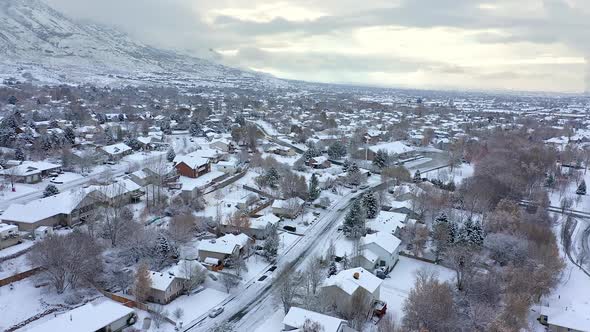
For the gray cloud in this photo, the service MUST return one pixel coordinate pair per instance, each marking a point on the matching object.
(178, 24)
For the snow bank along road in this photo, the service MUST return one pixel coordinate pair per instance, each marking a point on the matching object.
(254, 301)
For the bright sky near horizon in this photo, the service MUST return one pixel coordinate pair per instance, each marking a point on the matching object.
(531, 45)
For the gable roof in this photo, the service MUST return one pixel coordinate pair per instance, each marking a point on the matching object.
(90, 317)
(225, 244)
(116, 149)
(384, 240)
(43, 208)
(346, 281)
(296, 317)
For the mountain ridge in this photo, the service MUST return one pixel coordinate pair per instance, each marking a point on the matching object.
(40, 44)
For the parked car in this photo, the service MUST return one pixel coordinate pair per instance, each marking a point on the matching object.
(215, 312)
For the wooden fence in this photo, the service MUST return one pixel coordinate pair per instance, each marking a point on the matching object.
(19, 276)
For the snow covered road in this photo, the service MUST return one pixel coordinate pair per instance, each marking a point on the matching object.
(254, 301)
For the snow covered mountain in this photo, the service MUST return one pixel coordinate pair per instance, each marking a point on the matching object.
(39, 44)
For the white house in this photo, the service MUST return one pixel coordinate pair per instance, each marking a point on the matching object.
(223, 247)
(340, 288)
(116, 151)
(289, 208)
(379, 250)
(101, 315)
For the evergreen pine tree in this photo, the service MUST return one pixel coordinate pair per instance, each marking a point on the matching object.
(270, 246)
(272, 177)
(19, 154)
(354, 222)
(381, 159)
(194, 128)
(171, 155)
(354, 174)
(370, 205)
(581, 188)
(314, 188)
(332, 269)
(453, 233)
(163, 247)
(70, 135)
(50, 190)
(550, 180)
(346, 165)
(417, 176)
(463, 235)
(477, 235)
(337, 150)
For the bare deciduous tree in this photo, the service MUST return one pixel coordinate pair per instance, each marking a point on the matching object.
(142, 283)
(68, 260)
(430, 305)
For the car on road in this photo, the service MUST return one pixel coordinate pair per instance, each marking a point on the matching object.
(56, 181)
(364, 186)
(215, 312)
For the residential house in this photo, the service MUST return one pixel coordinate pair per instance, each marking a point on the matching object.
(567, 319)
(115, 152)
(101, 315)
(224, 247)
(224, 145)
(168, 285)
(66, 208)
(340, 288)
(320, 162)
(192, 165)
(9, 235)
(257, 228)
(396, 150)
(120, 192)
(379, 251)
(296, 318)
(30, 171)
(289, 208)
(284, 151)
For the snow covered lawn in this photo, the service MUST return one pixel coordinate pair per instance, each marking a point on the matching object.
(24, 301)
(20, 190)
(395, 289)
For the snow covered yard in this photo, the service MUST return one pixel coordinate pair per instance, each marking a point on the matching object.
(14, 266)
(21, 189)
(25, 300)
(395, 289)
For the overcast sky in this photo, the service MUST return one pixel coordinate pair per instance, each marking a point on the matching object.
(534, 45)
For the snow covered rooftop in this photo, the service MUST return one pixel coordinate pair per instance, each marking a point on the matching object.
(90, 317)
(384, 240)
(396, 147)
(62, 203)
(346, 280)
(31, 167)
(116, 149)
(264, 221)
(225, 244)
(296, 317)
